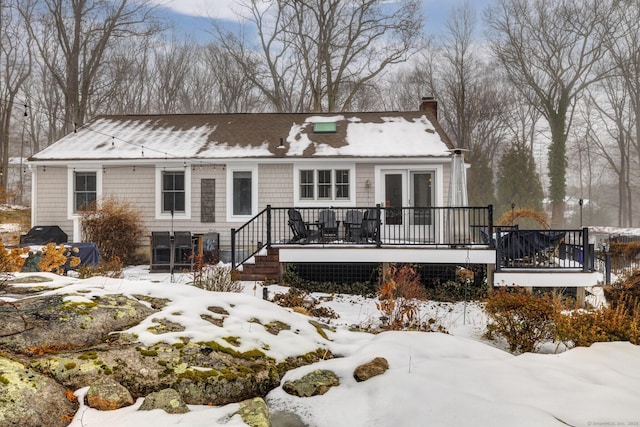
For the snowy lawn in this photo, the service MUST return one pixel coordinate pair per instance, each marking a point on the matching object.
(434, 379)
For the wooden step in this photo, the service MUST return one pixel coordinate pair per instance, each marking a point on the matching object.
(265, 267)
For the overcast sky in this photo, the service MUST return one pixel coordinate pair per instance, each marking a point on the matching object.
(436, 12)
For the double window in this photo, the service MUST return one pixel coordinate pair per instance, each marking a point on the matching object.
(324, 184)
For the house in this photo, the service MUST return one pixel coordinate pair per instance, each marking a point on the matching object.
(238, 175)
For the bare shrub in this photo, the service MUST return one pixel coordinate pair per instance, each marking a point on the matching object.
(107, 268)
(115, 227)
(216, 278)
(523, 319)
(399, 297)
(303, 302)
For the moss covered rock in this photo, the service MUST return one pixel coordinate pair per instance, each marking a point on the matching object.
(29, 399)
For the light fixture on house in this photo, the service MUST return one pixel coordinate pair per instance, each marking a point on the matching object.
(367, 184)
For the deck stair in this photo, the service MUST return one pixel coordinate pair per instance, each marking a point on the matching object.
(265, 268)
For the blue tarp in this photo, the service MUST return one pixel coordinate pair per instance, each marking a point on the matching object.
(87, 252)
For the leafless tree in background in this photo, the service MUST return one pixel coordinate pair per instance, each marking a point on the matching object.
(173, 68)
(15, 68)
(318, 54)
(624, 47)
(73, 39)
(552, 50)
(234, 93)
(609, 127)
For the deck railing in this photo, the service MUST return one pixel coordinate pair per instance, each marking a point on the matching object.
(405, 226)
(428, 227)
(544, 249)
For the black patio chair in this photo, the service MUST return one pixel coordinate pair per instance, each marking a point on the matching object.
(327, 224)
(160, 250)
(353, 225)
(183, 247)
(299, 228)
(370, 224)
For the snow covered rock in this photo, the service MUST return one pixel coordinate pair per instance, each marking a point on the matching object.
(314, 383)
(377, 366)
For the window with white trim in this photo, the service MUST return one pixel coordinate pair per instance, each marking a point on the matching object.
(325, 184)
(307, 185)
(173, 192)
(85, 190)
(242, 193)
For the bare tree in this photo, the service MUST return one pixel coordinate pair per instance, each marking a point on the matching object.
(624, 47)
(172, 70)
(73, 38)
(15, 63)
(608, 111)
(234, 93)
(460, 75)
(552, 50)
(270, 66)
(125, 84)
(318, 54)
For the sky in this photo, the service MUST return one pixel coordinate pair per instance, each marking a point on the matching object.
(440, 379)
(193, 16)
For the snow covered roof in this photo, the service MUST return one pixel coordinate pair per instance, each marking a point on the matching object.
(262, 135)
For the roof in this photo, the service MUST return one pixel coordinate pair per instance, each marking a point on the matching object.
(259, 135)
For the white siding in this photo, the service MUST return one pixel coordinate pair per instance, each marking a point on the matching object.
(50, 208)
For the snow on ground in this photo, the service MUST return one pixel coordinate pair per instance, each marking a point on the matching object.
(434, 379)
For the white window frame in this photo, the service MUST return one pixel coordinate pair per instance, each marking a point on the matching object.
(71, 184)
(187, 192)
(253, 169)
(351, 201)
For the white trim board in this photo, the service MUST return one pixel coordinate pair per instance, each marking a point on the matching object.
(317, 254)
(546, 279)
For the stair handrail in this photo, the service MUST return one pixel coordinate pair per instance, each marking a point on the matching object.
(261, 243)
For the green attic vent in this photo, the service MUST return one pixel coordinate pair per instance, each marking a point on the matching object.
(324, 127)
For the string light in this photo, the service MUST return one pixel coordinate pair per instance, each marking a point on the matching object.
(86, 127)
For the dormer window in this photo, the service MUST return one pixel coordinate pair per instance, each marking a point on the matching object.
(324, 127)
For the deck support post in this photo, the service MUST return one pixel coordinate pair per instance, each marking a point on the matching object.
(580, 296)
(490, 277)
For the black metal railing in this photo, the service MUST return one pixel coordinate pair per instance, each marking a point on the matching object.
(544, 249)
(369, 226)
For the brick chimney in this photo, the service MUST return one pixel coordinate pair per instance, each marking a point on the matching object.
(429, 104)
